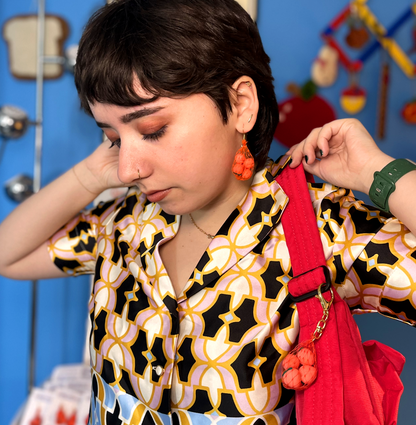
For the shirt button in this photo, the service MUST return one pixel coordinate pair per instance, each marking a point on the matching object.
(158, 370)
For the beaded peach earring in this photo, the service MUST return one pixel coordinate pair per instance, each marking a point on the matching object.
(243, 165)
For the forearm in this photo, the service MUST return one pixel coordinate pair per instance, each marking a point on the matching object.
(36, 219)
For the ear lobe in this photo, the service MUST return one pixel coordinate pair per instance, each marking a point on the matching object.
(246, 104)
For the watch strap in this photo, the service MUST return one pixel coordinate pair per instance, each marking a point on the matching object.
(384, 183)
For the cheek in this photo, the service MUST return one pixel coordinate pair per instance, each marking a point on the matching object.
(179, 157)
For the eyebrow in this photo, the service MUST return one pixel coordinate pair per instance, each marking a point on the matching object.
(125, 119)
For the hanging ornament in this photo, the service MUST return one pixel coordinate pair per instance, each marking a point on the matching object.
(324, 70)
(353, 99)
(383, 37)
(358, 35)
(409, 112)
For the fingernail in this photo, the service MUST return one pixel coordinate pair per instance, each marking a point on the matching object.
(306, 158)
(322, 152)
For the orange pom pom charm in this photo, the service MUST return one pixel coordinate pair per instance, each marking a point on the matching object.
(305, 356)
(291, 379)
(243, 165)
(291, 361)
(301, 359)
(308, 374)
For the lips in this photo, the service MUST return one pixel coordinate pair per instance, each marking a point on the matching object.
(157, 195)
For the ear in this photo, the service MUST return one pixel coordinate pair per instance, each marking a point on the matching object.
(246, 104)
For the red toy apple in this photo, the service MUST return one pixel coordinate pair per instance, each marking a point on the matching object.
(300, 114)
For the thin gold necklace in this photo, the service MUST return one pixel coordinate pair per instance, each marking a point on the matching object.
(201, 230)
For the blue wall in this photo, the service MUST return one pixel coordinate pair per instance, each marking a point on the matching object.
(69, 135)
(290, 31)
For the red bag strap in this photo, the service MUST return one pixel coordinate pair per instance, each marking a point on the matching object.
(322, 403)
(302, 235)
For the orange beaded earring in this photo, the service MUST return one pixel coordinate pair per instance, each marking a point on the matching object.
(243, 165)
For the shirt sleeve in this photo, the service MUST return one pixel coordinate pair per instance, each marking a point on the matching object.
(73, 248)
(371, 255)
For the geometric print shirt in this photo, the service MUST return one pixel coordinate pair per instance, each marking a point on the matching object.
(213, 353)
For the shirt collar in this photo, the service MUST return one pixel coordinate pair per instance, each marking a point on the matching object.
(246, 227)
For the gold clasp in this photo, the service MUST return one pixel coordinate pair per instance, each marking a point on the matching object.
(326, 305)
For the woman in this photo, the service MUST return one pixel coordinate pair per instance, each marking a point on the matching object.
(191, 265)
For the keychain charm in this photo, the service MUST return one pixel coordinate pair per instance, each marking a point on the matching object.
(300, 366)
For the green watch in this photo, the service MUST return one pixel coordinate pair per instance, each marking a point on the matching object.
(384, 183)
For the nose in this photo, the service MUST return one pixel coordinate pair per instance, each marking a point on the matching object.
(132, 162)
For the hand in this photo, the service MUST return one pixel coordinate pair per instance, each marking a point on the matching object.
(99, 171)
(342, 153)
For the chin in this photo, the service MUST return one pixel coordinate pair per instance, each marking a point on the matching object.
(174, 209)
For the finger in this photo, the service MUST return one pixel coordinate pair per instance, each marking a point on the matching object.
(310, 146)
(319, 153)
(296, 152)
(322, 142)
(313, 169)
(332, 129)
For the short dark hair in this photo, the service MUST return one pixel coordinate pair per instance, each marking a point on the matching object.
(176, 48)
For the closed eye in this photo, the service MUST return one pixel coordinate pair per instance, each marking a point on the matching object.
(152, 137)
(156, 135)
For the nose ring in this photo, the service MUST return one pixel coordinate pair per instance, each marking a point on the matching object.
(138, 173)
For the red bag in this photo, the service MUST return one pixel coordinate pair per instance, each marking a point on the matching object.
(356, 383)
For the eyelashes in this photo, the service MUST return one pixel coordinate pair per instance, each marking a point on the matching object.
(153, 137)
(156, 135)
(115, 143)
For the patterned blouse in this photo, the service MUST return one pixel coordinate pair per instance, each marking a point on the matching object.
(213, 353)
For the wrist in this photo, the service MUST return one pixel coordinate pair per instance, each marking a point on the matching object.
(86, 179)
(376, 165)
(384, 182)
